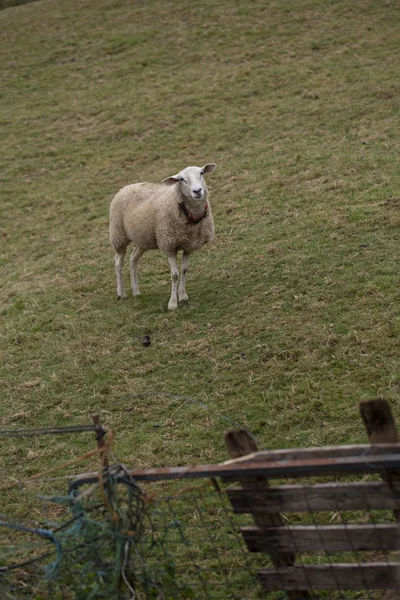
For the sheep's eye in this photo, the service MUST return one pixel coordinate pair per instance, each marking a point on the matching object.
(201, 173)
(181, 179)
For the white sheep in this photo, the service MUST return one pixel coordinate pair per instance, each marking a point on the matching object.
(172, 217)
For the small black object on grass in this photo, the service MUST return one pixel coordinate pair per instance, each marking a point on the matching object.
(145, 340)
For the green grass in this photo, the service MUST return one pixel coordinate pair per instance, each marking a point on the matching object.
(293, 315)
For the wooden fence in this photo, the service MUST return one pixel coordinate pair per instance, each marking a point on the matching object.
(368, 537)
(284, 543)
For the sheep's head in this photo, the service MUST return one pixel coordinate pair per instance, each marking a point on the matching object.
(191, 181)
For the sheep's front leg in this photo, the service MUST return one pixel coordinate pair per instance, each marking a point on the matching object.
(182, 295)
(173, 301)
(119, 261)
(133, 263)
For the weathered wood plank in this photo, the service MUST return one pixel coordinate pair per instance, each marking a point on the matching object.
(381, 428)
(323, 538)
(240, 443)
(339, 576)
(317, 497)
(284, 468)
(291, 454)
(379, 421)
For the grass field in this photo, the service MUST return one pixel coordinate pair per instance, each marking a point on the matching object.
(294, 309)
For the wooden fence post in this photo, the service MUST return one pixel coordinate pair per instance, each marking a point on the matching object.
(381, 429)
(240, 443)
(100, 432)
(379, 422)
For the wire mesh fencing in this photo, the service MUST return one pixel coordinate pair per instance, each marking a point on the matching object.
(326, 547)
(121, 540)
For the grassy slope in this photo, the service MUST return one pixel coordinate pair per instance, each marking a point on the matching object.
(293, 316)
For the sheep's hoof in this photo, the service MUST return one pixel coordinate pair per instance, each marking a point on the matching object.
(183, 298)
(172, 305)
(121, 297)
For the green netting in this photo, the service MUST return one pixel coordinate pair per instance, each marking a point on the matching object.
(114, 540)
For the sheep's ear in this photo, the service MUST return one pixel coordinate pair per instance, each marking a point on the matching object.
(171, 180)
(209, 168)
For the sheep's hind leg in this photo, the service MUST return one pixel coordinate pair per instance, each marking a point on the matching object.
(173, 301)
(119, 261)
(182, 295)
(133, 263)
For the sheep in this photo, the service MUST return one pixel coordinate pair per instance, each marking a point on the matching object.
(172, 216)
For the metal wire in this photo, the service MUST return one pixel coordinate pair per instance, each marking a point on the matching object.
(47, 431)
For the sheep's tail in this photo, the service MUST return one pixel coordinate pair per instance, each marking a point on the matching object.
(118, 237)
